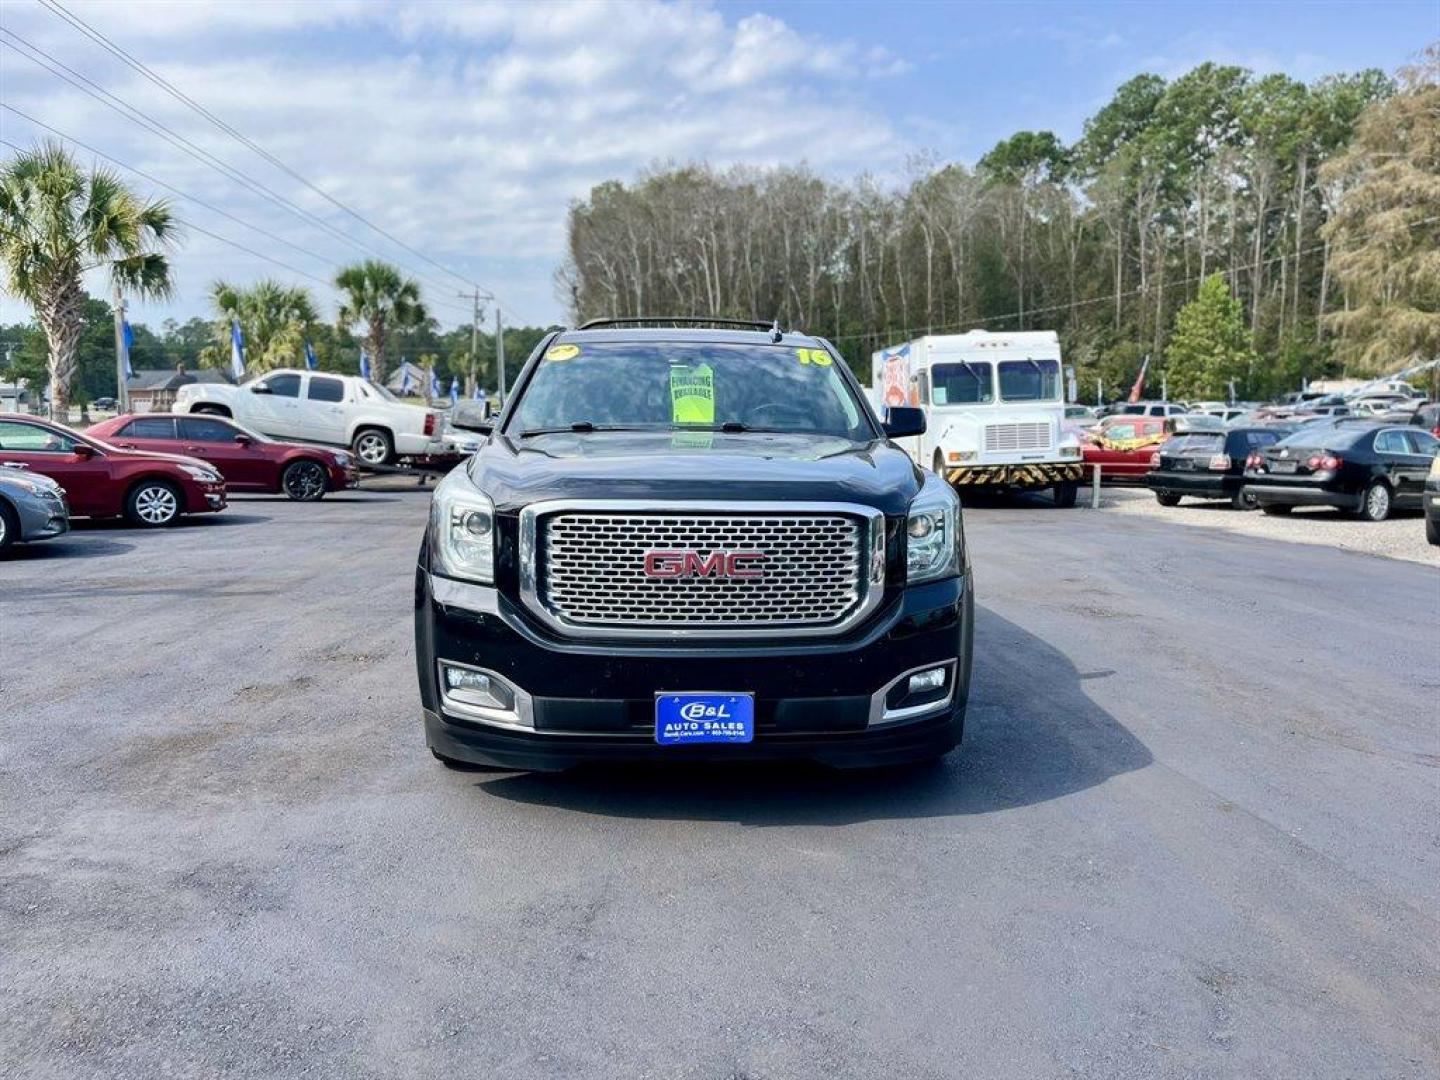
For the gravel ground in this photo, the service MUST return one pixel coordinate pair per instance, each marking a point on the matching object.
(1402, 537)
(1192, 833)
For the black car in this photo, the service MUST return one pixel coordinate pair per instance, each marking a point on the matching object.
(1353, 465)
(1208, 465)
(681, 543)
(1427, 416)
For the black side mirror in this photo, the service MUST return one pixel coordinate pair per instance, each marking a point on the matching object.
(470, 416)
(902, 421)
(261, 388)
(83, 451)
(243, 439)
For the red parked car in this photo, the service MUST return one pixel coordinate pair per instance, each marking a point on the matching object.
(101, 480)
(248, 461)
(1124, 449)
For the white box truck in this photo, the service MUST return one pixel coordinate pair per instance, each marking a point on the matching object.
(994, 409)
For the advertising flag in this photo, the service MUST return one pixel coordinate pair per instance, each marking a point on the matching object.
(237, 350)
(454, 390)
(311, 360)
(364, 365)
(127, 337)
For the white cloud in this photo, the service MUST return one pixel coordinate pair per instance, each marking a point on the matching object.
(463, 129)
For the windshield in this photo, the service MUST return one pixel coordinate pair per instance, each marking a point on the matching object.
(961, 384)
(1030, 380)
(689, 385)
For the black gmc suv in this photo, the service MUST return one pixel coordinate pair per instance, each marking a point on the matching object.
(682, 543)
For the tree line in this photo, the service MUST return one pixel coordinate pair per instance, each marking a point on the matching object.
(1298, 196)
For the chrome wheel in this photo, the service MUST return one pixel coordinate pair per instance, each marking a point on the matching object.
(1377, 502)
(156, 505)
(304, 481)
(372, 448)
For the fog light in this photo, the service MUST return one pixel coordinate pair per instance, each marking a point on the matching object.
(960, 455)
(477, 688)
(923, 682)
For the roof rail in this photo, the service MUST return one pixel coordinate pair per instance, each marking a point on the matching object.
(770, 326)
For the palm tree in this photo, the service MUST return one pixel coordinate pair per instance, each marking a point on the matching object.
(376, 295)
(58, 222)
(274, 316)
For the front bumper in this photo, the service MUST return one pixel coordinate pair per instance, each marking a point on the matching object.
(1029, 475)
(343, 477)
(42, 518)
(814, 698)
(205, 498)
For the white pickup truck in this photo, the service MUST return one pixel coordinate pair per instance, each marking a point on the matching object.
(319, 407)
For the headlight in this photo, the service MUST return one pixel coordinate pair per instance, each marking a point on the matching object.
(28, 485)
(462, 530)
(932, 533)
(205, 476)
(342, 459)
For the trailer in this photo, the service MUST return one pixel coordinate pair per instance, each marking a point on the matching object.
(994, 408)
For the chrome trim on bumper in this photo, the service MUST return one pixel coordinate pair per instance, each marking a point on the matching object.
(871, 577)
(880, 716)
(520, 718)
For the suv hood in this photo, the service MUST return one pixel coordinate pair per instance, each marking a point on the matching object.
(694, 465)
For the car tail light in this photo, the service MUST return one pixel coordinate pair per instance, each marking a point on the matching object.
(1323, 463)
(1220, 463)
(1254, 461)
(1154, 461)
(429, 423)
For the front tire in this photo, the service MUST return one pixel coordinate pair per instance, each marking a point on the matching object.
(1376, 503)
(1065, 493)
(1432, 531)
(153, 504)
(1167, 498)
(9, 527)
(304, 481)
(373, 446)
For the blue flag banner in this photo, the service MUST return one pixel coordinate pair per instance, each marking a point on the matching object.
(434, 384)
(127, 336)
(406, 383)
(364, 365)
(454, 390)
(237, 350)
(311, 360)
(479, 394)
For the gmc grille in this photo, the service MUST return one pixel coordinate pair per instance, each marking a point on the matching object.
(1004, 437)
(590, 570)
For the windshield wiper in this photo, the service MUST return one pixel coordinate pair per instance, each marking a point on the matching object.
(580, 427)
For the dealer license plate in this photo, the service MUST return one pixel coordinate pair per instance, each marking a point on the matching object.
(1283, 466)
(704, 718)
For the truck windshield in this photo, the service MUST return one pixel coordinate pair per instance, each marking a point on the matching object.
(959, 383)
(689, 385)
(1030, 380)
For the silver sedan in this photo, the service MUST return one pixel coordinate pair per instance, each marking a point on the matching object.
(32, 507)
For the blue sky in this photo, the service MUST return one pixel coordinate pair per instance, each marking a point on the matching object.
(466, 129)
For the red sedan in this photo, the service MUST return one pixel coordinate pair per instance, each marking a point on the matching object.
(102, 480)
(248, 461)
(1124, 448)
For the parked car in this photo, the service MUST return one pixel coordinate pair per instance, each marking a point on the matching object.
(1124, 447)
(1432, 502)
(318, 407)
(103, 404)
(32, 507)
(101, 480)
(1427, 416)
(1364, 467)
(248, 460)
(1145, 408)
(686, 544)
(1208, 465)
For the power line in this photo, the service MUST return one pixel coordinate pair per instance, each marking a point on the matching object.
(156, 127)
(143, 69)
(1108, 298)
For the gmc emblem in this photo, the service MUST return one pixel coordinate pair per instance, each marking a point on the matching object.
(718, 564)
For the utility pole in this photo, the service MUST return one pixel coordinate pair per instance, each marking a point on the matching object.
(476, 297)
(122, 398)
(500, 352)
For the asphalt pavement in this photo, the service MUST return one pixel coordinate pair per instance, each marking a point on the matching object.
(1194, 831)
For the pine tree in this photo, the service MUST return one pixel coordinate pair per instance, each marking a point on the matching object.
(1210, 345)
